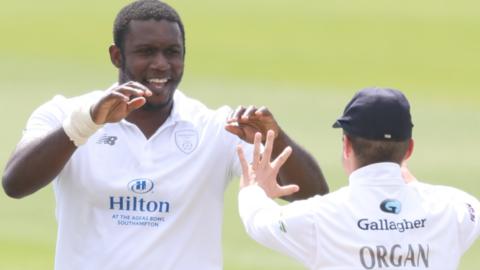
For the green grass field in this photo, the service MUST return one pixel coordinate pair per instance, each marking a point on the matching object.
(303, 59)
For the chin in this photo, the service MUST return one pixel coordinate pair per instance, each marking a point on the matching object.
(154, 105)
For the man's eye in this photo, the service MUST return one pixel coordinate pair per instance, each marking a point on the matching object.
(147, 51)
(172, 51)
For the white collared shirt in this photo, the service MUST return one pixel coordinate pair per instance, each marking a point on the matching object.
(127, 202)
(377, 222)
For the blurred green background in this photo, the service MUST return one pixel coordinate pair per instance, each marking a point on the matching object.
(303, 59)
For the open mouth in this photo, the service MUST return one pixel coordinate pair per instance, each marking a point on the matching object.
(157, 83)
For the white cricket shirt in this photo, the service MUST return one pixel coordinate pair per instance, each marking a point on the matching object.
(377, 222)
(125, 202)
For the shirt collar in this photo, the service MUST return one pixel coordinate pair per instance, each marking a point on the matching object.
(382, 174)
(179, 110)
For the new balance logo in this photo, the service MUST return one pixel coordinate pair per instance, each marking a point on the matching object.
(110, 140)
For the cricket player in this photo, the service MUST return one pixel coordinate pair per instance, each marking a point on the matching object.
(378, 221)
(139, 169)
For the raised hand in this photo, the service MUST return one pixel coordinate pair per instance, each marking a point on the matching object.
(116, 104)
(245, 122)
(263, 172)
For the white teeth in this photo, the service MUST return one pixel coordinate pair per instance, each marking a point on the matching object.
(157, 80)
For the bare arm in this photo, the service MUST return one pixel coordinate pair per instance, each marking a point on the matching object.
(288, 229)
(300, 169)
(35, 163)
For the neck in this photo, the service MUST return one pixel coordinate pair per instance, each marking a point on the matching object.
(149, 119)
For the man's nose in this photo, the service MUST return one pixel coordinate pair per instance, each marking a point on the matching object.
(160, 62)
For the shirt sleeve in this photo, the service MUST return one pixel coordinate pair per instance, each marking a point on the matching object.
(288, 229)
(44, 119)
(468, 215)
(231, 142)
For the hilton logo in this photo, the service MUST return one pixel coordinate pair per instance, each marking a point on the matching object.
(134, 203)
(141, 186)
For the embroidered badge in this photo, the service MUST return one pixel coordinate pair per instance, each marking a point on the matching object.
(186, 140)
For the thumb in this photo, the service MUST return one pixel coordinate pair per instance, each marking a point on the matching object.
(135, 103)
(287, 190)
(234, 129)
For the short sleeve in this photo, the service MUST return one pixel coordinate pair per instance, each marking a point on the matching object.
(230, 142)
(44, 119)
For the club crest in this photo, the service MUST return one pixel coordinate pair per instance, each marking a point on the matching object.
(186, 140)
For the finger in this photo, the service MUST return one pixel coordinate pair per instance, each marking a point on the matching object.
(244, 180)
(140, 86)
(112, 100)
(249, 112)
(106, 105)
(256, 150)
(135, 103)
(263, 111)
(136, 85)
(265, 118)
(243, 160)
(282, 158)
(267, 152)
(117, 96)
(130, 91)
(287, 190)
(234, 129)
(234, 117)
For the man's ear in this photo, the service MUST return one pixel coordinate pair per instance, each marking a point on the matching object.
(347, 147)
(115, 56)
(409, 152)
(349, 160)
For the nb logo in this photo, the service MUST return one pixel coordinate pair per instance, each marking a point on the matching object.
(391, 206)
(110, 140)
(140, 186)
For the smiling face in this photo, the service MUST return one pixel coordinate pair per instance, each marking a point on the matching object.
(153, 55)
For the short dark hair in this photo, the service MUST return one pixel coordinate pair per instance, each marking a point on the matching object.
(374, 151)
(144, 10)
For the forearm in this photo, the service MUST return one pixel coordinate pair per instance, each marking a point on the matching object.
(36, 163)
(259, 215)
(300, 169)
(286, 229)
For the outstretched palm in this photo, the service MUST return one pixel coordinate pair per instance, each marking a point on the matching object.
(263, 172)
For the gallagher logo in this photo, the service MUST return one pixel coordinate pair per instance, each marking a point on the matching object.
(140, 186)
(391, 206)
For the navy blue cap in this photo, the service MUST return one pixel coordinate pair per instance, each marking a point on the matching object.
(377, 114)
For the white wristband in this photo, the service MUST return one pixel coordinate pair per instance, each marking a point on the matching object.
(79, 125)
